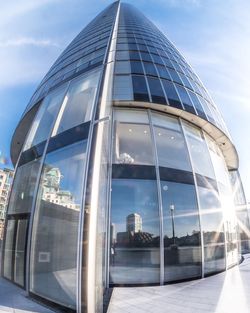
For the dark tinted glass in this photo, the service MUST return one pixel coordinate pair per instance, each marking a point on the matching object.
(140, 88)
(197, 104)
(149, 69)
(146, 57)
(163, 72)
(185, 99)
(156, 91)
(136, 67)
(171, 94)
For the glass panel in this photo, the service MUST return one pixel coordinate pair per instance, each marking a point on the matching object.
(79, 102)
(213, 230)
(122, 67)
(134, 232)
(20, 252)
(163, 72)
(171, 94)
(197, 104)
(132, 144)
(171, 148)
(136, 67)
(123, 89)
(44, 120)
(218, 161)
(185, 99)
(149, 69)
(157, 94)
(55, 228)
(8, 251)
(140, 88)
(175, 76)
(181, 228)
(230, 223)
(199, 152)
(23, 188)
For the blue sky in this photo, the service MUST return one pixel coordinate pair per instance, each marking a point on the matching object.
(212, 35)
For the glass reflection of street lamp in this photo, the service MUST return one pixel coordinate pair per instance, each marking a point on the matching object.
(171, 207)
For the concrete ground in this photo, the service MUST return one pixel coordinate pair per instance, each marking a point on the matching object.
(223, 293)
(227, 292)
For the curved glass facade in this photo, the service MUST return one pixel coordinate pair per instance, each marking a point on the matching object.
(123, 178)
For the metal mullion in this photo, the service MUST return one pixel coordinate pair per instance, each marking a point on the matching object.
(112, 133)
(88, 291)
(158, 181)
(197, 198)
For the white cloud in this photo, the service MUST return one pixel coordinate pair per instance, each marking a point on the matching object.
(23, 41)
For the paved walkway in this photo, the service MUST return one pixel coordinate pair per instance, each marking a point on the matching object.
(223, 293)
(13, 299)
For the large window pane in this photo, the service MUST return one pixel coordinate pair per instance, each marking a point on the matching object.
(79, 102)
(157, 94)
(132, 141)
(55, 229)
(44, 120)
(213, 230)
(23, 188)
(187, 103)
(181, 228)
(171, 94)
(134, 232)
(199, 152)
(123, 89)
(20, 251)
(218, 161)
(171, 148)
(140, 88)
(8, 249)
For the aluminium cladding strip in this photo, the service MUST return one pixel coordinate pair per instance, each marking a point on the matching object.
(105, 101)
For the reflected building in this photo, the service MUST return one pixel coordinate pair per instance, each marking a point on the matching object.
(6, 177)
(125, 173)
(134, 223)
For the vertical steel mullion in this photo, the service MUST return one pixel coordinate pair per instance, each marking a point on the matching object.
(160, 206)
(112, 133)
(197, 199)
(91, 138)
(83, 198)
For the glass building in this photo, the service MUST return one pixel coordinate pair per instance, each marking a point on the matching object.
(125, 174)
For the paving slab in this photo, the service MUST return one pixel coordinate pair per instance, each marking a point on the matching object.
(227, 292)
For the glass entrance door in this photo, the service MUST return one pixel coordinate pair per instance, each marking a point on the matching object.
(15, 249)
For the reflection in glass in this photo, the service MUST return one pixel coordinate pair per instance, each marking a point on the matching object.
(213, 230)
(8, 249)
(181, 228)
(20, 252)
(199, 152)
(134, 232)
(123, 89)
(79, 102)
(171, 148)
(44, 120)
(55, 228)
(132, 142)
(23, 187)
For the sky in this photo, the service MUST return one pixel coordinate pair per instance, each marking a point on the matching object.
(213, 36)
